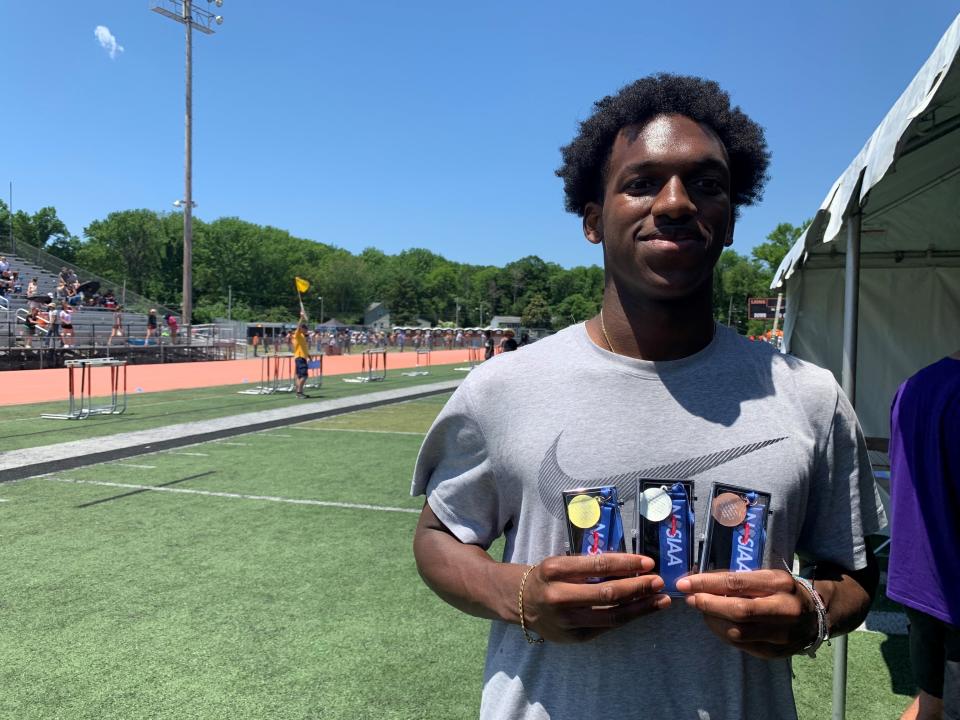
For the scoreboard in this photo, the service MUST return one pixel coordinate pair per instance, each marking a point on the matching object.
(764, 308)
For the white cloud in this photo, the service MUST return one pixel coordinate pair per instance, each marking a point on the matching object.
(107, 41)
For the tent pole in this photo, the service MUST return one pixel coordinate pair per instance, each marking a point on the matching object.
(851, 307)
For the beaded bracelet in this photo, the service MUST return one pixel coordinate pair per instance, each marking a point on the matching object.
(530, 639)
(823, 629)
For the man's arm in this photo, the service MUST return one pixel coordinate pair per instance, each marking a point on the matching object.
(558, 604)
(766, 613)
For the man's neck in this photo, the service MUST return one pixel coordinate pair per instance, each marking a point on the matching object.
(650, 329)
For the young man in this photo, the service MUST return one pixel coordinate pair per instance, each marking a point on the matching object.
(925, 532)
(301, 354)
(651, 387)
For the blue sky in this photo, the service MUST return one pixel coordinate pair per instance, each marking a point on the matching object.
(423, 124)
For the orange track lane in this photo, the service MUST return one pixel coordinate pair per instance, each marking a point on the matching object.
(18, 387)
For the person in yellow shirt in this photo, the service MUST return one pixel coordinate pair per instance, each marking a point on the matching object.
(301, 355)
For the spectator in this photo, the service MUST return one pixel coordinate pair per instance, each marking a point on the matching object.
(401, 339)
(151, 325)
(117, 329)
(32, 321)
(4, 265)
(925, 531)
(524, 339)
(488, 345)
(508, 344)
(173, 326)
(66, 324)
(53, 325)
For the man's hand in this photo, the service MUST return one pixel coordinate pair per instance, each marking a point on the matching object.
(560, 606)
(764, 612)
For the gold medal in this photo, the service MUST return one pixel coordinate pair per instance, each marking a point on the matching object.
(584, 511)
(729, 509)
(655, 504)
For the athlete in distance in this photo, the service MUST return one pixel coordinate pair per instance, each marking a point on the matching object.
(658, 174)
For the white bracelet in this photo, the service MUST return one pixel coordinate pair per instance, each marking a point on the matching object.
(823, 629)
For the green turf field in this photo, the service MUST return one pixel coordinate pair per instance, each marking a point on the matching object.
(268, 576)
(22, 427)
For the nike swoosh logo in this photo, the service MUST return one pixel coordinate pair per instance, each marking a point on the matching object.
(552, 480)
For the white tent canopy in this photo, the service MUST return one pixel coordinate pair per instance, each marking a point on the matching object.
(898, 204)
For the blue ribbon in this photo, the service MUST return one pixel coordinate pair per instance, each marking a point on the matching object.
(675, 532)
(607, 534)
(746, 552)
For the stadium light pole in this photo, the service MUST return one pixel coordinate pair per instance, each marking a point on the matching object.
(203, 20)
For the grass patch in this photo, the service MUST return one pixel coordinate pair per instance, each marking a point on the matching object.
(119, 604)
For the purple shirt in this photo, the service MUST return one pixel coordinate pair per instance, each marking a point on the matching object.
(924, 571)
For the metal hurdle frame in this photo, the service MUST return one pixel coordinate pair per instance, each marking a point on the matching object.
(474, 358)
(85, 408)
(314, 373)
(284, 376)
(268, 379)
(425, 354)
(372, 369)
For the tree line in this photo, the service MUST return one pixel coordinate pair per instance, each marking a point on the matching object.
(255, 266)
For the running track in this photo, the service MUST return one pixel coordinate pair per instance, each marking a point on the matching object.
(18, 387)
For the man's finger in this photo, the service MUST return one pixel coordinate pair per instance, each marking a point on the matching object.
(744, 584)
(580, 567)
(773, 609)
(739, 633)
(611, 592)
(613, 616)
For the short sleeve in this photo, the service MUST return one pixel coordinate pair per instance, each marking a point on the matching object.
(843, 505)
(455, 471)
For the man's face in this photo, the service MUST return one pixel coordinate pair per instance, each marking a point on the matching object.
(666, 214)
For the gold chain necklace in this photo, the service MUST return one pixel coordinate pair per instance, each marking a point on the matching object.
(603, 329)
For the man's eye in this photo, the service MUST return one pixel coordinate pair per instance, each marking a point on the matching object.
(711, 185)
(640, 185)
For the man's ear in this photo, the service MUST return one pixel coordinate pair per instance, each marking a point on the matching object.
(728, 241)
(593, 222)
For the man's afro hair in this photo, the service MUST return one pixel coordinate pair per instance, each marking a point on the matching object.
(585, 159)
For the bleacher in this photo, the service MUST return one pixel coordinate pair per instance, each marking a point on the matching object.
(92, 326)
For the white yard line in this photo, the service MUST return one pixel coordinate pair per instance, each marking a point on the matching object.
(378, 432)
(273, 434)
(4, 500)
(190, 454)
(139, 467)
(238, 496)
(234, 444)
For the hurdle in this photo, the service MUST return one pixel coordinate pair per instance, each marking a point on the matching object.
(474, 357)
(373, 367)
(284, 379)
(84, 408)
(268, 383)
(314, 373)
(423, 357)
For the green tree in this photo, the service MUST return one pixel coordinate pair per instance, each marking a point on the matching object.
(127, 246)
(537, 313)
(573, 309)
(778, 244)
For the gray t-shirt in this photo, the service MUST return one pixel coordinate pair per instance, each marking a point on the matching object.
(564, 413)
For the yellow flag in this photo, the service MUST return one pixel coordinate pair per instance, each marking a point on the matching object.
(302, 285)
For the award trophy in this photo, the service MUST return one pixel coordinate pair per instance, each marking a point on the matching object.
(665, 525)
(736, 529)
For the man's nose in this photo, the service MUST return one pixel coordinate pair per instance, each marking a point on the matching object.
(673, 201)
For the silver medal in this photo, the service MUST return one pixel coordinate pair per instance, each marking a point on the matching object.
(655, 504)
